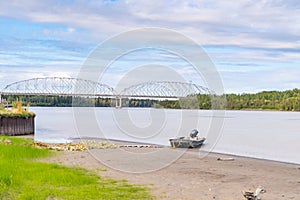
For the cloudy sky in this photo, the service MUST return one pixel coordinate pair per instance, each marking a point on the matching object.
(255, 45)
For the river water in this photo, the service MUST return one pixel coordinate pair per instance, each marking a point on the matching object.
(259, 134)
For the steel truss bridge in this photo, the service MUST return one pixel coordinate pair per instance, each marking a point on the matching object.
(59, 86)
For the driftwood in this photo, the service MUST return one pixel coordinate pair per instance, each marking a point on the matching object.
(82, 146)
(139, 146)
(87, 145)
(225, 159)
(62, 147)
(254, 195)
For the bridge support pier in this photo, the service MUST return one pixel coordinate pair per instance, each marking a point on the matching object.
(118, 102)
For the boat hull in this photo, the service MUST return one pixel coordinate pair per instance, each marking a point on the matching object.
(186, 143)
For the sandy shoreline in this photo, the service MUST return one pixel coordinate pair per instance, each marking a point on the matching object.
(189, 176)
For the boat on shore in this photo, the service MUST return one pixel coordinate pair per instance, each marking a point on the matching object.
(184, 142)
(187, 142)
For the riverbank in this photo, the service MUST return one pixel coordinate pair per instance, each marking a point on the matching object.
(191, 177)
(23, 177)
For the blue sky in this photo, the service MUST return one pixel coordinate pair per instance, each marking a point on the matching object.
(255, 45)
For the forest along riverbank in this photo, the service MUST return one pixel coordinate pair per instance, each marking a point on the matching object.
(215, 176)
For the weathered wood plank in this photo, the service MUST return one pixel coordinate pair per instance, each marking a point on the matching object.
(16, 126)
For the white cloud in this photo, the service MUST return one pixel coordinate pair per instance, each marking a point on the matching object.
(243, 23)
(265, 32)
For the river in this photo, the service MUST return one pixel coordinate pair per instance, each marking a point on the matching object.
(259, 134)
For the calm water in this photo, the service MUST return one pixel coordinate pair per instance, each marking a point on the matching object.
(259, 134)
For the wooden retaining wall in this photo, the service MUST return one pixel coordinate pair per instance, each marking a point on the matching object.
(16, 126)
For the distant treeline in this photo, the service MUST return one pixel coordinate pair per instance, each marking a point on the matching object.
(67, 101)
(268, 100)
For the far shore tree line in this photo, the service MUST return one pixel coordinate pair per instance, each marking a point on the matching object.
(288, 100)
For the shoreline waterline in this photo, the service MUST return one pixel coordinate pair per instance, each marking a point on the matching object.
(195, 151)
(268, 135)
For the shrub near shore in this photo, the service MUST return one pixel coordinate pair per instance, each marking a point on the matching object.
(23, 178)
(16, 111)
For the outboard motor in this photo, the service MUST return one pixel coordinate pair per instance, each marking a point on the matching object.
(194, 133)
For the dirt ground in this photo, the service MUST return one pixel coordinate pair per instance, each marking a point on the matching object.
(189, 176)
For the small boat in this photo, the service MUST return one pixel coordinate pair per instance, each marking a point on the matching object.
(187, 142)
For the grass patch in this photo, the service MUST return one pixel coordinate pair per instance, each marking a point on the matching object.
(23, 178)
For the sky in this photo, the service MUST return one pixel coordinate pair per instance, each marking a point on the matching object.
(254, 45)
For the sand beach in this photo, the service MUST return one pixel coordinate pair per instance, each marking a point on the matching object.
(214, 176)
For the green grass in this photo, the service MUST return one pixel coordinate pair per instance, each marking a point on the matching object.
(23, 178)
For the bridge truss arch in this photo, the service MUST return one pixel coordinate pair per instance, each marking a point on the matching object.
(163, 89)
(58, 86)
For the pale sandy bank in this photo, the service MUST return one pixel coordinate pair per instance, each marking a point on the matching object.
(191, 177)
